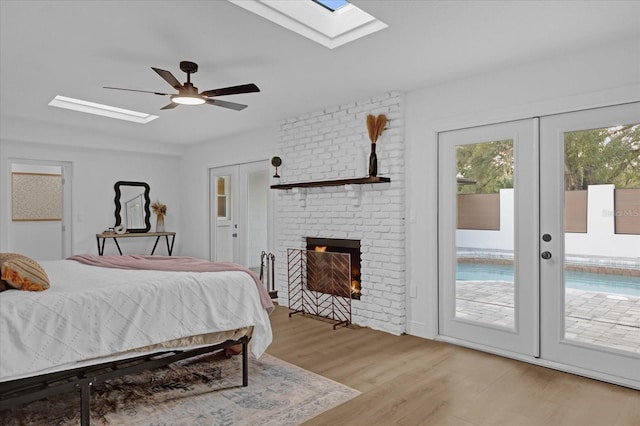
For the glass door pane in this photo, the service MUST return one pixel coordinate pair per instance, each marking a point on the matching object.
(485, 275)
(224, 224)
(602, 244)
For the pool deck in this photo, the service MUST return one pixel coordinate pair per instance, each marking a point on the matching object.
(591, 317)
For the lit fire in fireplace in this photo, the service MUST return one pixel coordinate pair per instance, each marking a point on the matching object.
(355, 287)
(355, 272)
(355, 282)
(329, 245)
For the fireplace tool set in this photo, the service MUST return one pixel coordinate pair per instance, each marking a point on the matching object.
(268, 269)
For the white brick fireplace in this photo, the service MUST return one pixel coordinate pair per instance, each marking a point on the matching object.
(333, 144)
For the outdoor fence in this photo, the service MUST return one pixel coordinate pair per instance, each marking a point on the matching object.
(602, 221)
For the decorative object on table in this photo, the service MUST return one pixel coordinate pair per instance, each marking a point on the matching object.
(375, 126)
(160, 210)
(276, 162)
(120, 229)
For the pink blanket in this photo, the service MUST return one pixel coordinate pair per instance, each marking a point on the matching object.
(172, 263)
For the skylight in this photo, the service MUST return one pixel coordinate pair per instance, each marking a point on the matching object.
(332, 5)
(103, 110)
(346, 23)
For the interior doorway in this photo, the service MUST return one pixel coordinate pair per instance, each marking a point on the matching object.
(40, 209)
(239, 205)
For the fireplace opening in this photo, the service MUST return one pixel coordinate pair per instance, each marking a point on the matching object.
(335, 245)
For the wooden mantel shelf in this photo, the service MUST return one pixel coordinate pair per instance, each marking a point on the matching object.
(336, 182)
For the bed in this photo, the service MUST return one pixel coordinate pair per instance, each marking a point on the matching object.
(97, 322)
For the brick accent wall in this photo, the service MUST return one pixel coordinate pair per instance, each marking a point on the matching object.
(333, 144)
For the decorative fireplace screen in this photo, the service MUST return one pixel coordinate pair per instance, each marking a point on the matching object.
(337, 245)
(320, 284)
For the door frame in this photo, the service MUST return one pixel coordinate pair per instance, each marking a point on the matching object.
(567, 105)
(239, 171)
(66, 169)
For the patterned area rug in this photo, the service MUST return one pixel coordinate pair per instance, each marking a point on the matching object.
(202, 391)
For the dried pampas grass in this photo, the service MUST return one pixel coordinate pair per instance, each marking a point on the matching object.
(375, 126)
(159, 209)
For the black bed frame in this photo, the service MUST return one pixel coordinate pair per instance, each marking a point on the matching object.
(21, 391)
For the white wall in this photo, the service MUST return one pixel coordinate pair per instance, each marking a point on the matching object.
(194, 174)
(603, 75)
(606, 74)
(94, 173)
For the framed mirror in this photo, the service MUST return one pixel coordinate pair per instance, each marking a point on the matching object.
(132, 206)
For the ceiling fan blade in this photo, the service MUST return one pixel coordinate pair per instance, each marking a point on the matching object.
(135, 90)
(234, 90)
(169, 78)
(225, 104)
(172, 105)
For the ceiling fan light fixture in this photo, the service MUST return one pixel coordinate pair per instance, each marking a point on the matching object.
(188, 94)
(188, 100)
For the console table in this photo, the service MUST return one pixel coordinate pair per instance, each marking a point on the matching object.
(115, 237)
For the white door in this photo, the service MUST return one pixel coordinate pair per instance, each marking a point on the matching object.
(224, 213)
(540, 252)
(239, 219)
(590, 213)
(488, 233)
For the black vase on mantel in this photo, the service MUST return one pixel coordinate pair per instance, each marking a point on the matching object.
(373, 162)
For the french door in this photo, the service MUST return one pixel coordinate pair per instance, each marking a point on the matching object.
(488, 223)
(539, 240)
(239, 213)
(592, 324)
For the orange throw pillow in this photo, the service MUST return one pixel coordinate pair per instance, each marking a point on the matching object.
(21, 272)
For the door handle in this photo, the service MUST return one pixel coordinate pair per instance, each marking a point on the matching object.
(546, 255)
(234, 235)
(546, 237)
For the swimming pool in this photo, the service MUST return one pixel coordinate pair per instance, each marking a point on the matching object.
(606, 283)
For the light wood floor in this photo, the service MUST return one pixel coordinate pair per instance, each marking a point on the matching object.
(407, 380)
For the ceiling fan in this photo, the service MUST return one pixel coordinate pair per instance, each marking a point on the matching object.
(188, 93)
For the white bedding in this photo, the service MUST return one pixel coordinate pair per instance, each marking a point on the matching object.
(92, 312)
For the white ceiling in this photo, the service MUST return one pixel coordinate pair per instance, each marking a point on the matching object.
(73, 48)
